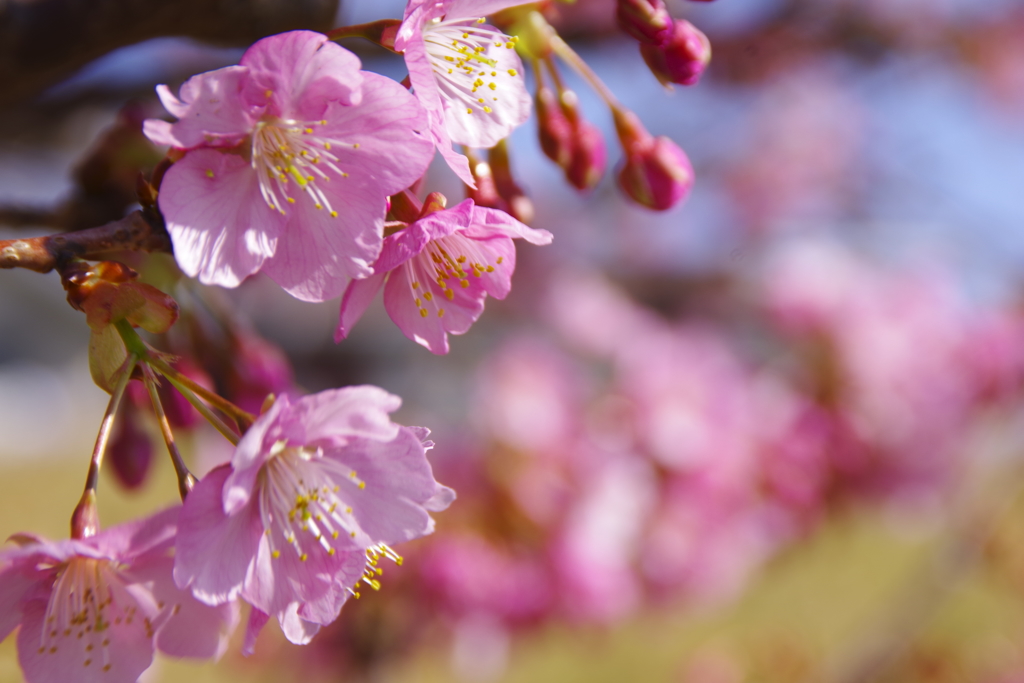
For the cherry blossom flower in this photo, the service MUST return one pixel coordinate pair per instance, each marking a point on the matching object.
(315, 492)
(93, 609)
(439, 270)
(291, 156)
(465, 73)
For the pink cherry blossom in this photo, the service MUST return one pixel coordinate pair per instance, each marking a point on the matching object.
(291, 156)
(465, 73)
(437, 272)
(315, 492)
(93, 609)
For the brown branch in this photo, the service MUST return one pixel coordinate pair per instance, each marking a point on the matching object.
(44, 41)
(135, 232)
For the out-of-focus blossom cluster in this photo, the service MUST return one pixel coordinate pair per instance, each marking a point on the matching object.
(624, 459)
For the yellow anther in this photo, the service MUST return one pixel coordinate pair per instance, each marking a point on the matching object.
(440, 313)
(362, 485)
(513, 72)
(465, 283)
(500, 259)
(428, 296)
(327, 145)
(276, 554)
(291, 200)
(468, 110)
(334, 214)
(268, 93)
(209, 173)
(492, 86)
(415, 285)
(450, 294)
(334, 534)
(487, 110)
(303, 557)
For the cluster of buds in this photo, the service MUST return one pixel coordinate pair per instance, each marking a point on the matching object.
(675, 50)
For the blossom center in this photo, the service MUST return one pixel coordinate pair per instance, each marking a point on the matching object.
(299, 502)
(442, 263)
(291, 158)
(88, 599)
(459, 52)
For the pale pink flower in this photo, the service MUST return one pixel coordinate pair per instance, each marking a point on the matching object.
(465, 72)
(315, 492)
(93, 609)
(291, 156)
(437, 272)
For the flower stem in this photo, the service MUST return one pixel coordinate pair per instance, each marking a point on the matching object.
(84, 520)
(382, 32)
(242, 417)
(185, 479)
(569, 56)
(226, 431)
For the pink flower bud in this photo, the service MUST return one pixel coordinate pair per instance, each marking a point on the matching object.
(131, 450)
(589, 157)
(553, 127)
(656, 172)
(680, 59)
(259, 369)
(646, 20)
(516, 202)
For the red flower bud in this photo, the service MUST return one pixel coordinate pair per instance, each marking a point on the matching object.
(646, 20)
(680, 59)
(656, 172)
(589, 157)
(131, 451)
(259, 368)
(554, 129)
(657, 175)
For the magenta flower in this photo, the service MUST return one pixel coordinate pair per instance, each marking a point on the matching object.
(291, 156)
(93, 609)
(314, 494)
(465, 73)
(438, 272)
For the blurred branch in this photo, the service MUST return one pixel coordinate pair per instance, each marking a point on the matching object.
(25, 216)
(44, 41)
(136, 232)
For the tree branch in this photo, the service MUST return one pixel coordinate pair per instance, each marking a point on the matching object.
(135, 232)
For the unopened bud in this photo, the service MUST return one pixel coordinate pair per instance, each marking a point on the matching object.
(553, 128)
(589, 157)
(646, 20)
(434, 202)
(680, 59)
(486, 192)
(85, 520)
(657, 175)
(131, 451)
(180, 413)
(516, 203)
(258, 368)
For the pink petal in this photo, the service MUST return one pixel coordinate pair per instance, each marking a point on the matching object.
(15, 586)
(296, 629)
(222, 229)
(190, 628)
(214, 550)
(274, 584)
(257, 620)
(304, 71)
(431, 330)
(398, 480)
(126, 541)
(211, 111)
(478, 8)
(357, 298)
(317, 254)
(489, 222)
(250, 454)
(128, 654)
(335, 416)
(509, 110)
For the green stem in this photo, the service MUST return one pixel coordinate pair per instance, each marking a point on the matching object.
(185, 479)
(382, 32)
(242, 417)
(569, 56)
(84, 520)
(226, 431)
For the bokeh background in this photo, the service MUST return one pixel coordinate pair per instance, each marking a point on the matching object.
(773, 434)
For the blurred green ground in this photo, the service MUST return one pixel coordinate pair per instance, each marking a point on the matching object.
(812, 608)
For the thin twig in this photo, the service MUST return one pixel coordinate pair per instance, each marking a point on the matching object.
(135, 232)
(242, 417)
(226, 431)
